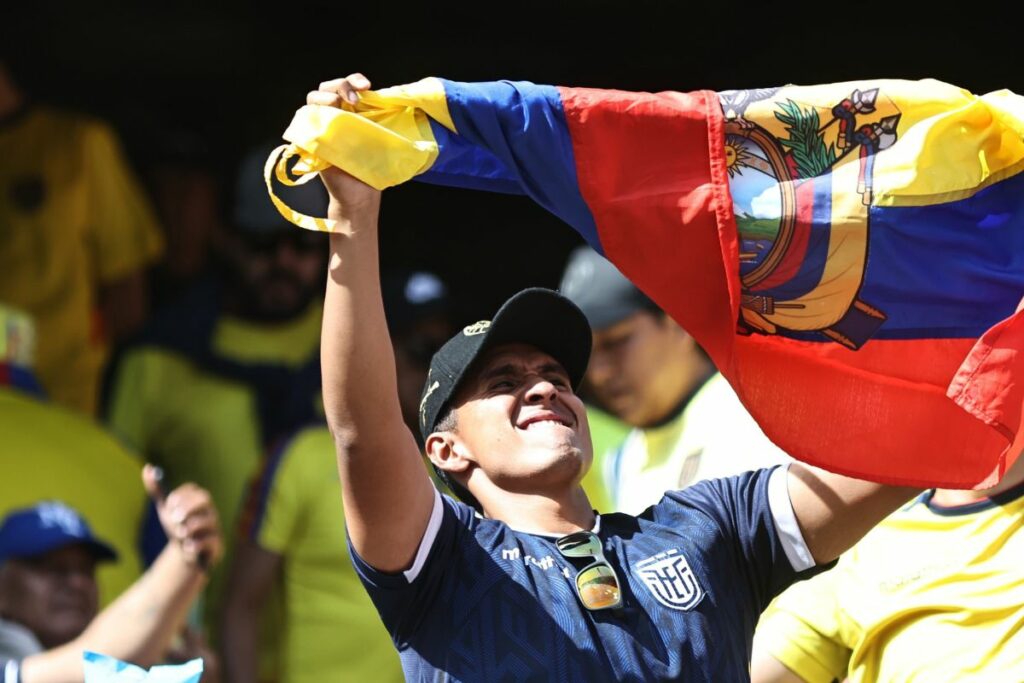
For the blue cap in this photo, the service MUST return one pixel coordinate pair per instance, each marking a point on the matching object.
(47, 526)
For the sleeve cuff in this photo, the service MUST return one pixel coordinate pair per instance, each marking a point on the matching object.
(786, 525)
(427, 542)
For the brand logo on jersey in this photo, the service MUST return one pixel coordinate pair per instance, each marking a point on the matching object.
(476, 328)
(669, 577)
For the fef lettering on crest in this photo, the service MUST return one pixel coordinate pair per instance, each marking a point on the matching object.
(671, 580)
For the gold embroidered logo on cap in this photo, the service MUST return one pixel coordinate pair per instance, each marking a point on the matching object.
(423, 403)
(476, 328)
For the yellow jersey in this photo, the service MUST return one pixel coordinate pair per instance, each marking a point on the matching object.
(331, 630)
(931, 594)
(51, 453)
(72, 218)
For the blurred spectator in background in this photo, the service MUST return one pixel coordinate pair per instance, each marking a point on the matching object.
(293, 529)
(222, 375)
(186, 194)
(688, 424)
(53, 453)
(418, 309)
(76, 236)
(933, 593)
(49, 608)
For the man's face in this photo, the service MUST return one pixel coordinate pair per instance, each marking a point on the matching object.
(53, 595)
(521, 422)
(280, 273)
(637, 369)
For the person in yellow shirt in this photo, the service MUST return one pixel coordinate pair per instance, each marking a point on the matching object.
(221, 376)
(293, 529)
(76, 236)
(296, 528)
(934, 593)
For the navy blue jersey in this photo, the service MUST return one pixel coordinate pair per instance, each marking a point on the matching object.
(490, 603)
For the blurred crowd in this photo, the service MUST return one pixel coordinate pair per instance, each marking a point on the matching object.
(176, 322)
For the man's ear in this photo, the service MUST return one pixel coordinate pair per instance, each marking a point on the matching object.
(448, 452)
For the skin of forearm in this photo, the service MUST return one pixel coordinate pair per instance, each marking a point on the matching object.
(137, 627)
(358, 362)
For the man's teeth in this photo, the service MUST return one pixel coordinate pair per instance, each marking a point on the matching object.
(545, 421)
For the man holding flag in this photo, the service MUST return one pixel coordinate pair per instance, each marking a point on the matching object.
(532, 583)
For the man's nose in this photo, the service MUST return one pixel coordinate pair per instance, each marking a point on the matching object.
(541, 390)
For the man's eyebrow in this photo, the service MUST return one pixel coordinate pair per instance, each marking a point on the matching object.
(499, 371)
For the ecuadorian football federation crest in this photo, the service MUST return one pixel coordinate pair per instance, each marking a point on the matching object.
(800, 164)
(669, 577)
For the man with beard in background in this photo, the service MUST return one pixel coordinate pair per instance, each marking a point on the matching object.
(232, 369)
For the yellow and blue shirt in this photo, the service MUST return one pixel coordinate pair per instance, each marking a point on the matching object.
(331, 631)
(73, 219)
(932, 594)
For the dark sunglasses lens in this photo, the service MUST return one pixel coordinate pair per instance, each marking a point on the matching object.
(579, 544)
(598, 587)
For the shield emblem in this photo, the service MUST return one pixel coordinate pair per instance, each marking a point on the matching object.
(669, 577)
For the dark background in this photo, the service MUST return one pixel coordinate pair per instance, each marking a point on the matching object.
(203, 83)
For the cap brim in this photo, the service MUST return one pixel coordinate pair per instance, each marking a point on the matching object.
(99, 550)
(544, 319)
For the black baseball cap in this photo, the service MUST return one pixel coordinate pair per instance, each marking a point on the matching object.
(539, 317)
(604, 294)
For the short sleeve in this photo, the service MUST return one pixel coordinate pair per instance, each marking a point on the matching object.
(123, 234)
(403, 599)
(802, 630)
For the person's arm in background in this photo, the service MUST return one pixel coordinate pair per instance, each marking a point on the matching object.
(834, 511)
(253, 575)
(139, 625)
(802, 636)
(387, 493)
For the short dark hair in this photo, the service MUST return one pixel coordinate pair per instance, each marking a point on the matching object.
(449, 422)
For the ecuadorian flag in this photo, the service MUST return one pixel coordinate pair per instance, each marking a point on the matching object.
(850, 255)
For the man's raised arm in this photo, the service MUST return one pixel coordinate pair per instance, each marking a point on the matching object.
(387, 494)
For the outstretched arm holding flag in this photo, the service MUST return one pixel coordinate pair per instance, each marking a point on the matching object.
(858, 247)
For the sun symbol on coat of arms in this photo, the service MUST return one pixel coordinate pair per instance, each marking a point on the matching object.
(737, 156)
